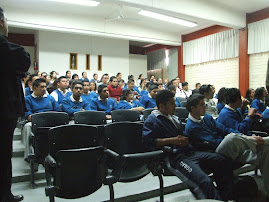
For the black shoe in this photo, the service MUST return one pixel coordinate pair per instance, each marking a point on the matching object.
(16, 198)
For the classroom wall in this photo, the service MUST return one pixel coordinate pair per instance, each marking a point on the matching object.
(137, 65)
(173, 64)
(31, 51)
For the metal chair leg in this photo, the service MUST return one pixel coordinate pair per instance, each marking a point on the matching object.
(111, 191)
(33, 185)
(161, 188)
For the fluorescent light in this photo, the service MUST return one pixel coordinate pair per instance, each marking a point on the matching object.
(167, 18)
(79, 2)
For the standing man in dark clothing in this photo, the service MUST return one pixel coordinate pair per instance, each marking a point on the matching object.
(14, 62)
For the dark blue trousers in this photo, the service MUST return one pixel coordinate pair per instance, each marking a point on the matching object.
(193, 165)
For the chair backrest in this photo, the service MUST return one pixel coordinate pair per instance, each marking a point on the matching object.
(147, 112)
(79, 172)
(126, 138)
(184, 103)
(182, 113)
(49, 119)
(74, 136)
(181, 99)
(90, 117)
(125, 115)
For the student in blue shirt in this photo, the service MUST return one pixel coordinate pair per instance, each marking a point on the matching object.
(61, 92)
(172, 88)
(145, 91)
(75, 102)
(29, 82)
(259, 101)
(162, 128)
(131, 85)
(103, 102)
(84, 77)
(221, 99)
(87, 94)
(265, 114)
(148, 100)
(127, 101)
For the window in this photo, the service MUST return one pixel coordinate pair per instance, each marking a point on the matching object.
(99, 62)
(88, 62)
(73, 61)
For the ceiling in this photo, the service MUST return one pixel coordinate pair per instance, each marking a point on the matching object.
(26, 16)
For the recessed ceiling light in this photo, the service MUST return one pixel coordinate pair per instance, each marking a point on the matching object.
(167, 18)
(79, 2)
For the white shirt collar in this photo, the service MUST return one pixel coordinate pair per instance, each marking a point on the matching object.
(169, 117)
(34, 96)
(99, 98)
(149, 95)
(64, 93)
(73, 100)
(228, 107)
(194, 119)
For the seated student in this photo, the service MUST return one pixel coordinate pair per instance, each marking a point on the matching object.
(87, 94)
(127, 101)
(172, 88)
(175, 83)
(95, 78)
(143, 85)
(207, 92)
(121, 83)
(160, 86)
(185, 92)
(265, 113)
(162, 128)
(148, 100)
(104, 80)
(103, 102)
(221, 99)
(62, 91)
(68, 75)
(30, 81)
(84, 77)
(250, 95)
(202, 127)
(259, 101)
(145, 91)
(38, 101)
(231, 115)
(131, 85)
(114, 89)
(75, 102)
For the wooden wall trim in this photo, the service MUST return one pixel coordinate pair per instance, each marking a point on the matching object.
(243, 61)
(22, 39)
(258, 15)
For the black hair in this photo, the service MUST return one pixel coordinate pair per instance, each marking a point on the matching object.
(52, 73)
(26, 74)
(222, 95)
(248, 93)
(67, 72)
(177, 77)
(111, 78)
(94, 85)
(205, 88)
(1, 14)
(259, 93)
(139, 77)
(171, 87)
(194, 100)
(163, 97)
(38, 81)
(172, 81)
(31, 77)
(151, 76)
(152, 87)
(74, 75)
(232, 95)
(94, 74)
(75, 83)
(118, 74)
(158, 84)
(195, 91)
(120, 80)
(266, 100)
(43, 73)
(101, 87)
(197, 84)
(148, 84)
(126, 92)
(130, 80)
(184, 83)
(85, 81)
(103, 77)
(83, 73)
(60, 78)
(130, 77)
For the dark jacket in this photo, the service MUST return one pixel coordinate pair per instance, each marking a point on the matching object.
(14, 62)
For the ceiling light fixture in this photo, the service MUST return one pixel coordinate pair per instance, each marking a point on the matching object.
(79, 2)
(167, 18)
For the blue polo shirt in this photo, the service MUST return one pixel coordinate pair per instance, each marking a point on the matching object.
(103, 105)
(148, 101)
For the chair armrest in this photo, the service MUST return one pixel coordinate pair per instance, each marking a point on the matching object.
(259, 133)
(112, 154)
(144, 155)
(169, 150)
(49, 161)
(50, 165)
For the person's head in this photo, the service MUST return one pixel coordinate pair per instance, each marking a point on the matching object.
(143, 82)
(185, 86)
(147, 80)
(160, 86)
(127, 95)
(233, 97)
(196, 105)
(178, 79)
(95, 76)
(39, 87)
(250, 93)
(113, 81)
(197, 85)
(119, 75)
(131, 77)
(62, 83)
(159, 80)
(121, 82)
(153, 90)
(48, 79)
(86, 86)
(53, 75)
(3, 23)
(31, 79)
(75, 77)
(213, 88)
(43, 74)
(172, 88)
(105, 79)
(77, 89)
(154, 80)
(141, 76)
(39, 74)
(103, 91)
(68, 74)
(93, 86)
(165, 102)
(151, 77)
(147, 85)
(174, 82)
(165, 81)
(222, 95)
(26, 77)
(131, 83)
(84, 74)
(260, 93)
(207, 91)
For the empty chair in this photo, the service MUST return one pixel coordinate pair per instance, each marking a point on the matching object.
(184, 103)
(182, 113)
(125, 115)
(125, 139)
(38, 141)
(147, 112)
(90, 117)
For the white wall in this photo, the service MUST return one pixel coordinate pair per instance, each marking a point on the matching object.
(222, 73)
(257, 69)
(31, 51)
(173, 63)
(54, 49)
(137, 65)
